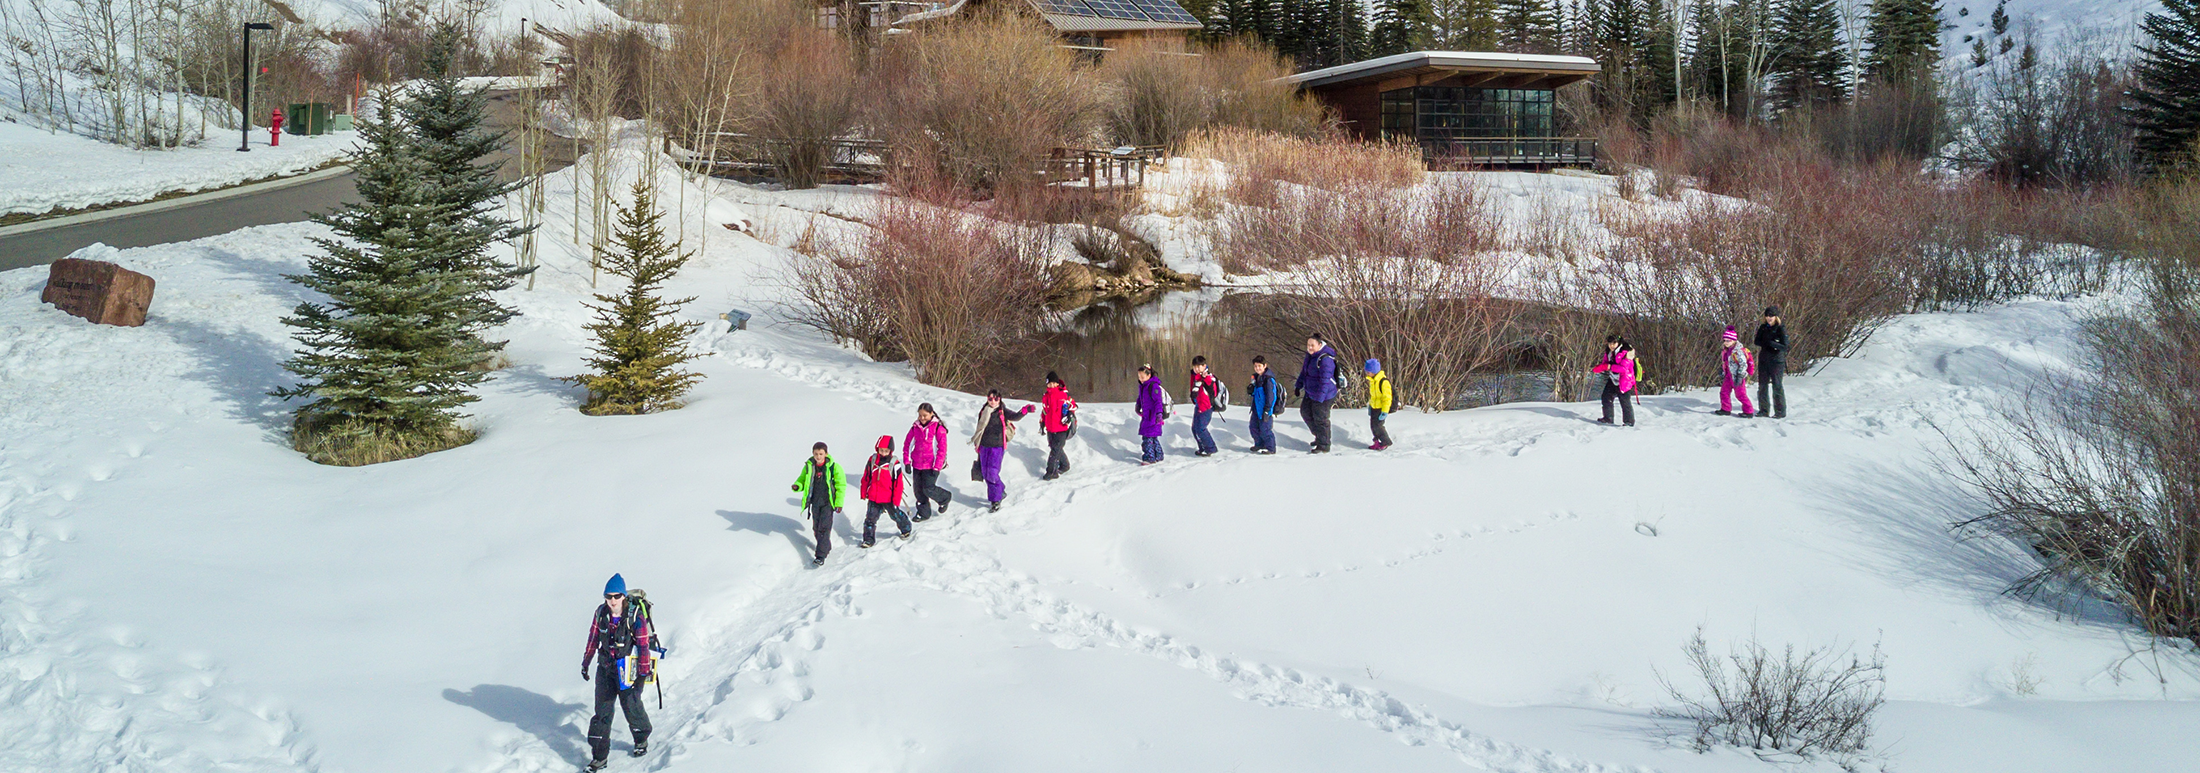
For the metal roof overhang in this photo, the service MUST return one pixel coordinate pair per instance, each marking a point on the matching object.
(1537, 70)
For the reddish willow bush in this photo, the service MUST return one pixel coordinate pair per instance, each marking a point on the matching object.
(947, 290)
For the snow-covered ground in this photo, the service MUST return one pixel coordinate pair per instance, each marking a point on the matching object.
(180, 591)
(42, 171)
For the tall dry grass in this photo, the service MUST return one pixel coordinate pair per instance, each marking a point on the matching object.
(1258, 161)
(981, 98)
(1159, 96)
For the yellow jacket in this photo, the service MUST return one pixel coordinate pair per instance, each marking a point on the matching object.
(1378, 392)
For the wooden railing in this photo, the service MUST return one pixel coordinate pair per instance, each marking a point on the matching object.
(1511, 151)
(1095, 168)
(1123, 167)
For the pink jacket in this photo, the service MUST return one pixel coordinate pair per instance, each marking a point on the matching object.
(925, 448)
(1621, 364)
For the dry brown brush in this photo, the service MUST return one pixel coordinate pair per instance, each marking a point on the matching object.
(981, 98)
(947, 290)
(1159, 96)
(1261, 163)
(1794, 703)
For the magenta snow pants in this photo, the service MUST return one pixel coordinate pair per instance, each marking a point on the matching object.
(1730, 388)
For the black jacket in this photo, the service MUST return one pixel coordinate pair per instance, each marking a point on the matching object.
(1772, 344)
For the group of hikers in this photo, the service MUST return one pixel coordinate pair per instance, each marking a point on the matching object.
(620, 636)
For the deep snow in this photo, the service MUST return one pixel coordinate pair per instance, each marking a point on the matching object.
(179, 591)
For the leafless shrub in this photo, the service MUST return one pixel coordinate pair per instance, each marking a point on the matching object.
(1159, 96)
(2052, 121)
(982, 97)
(1805, 704)
(1569, 333)
(938, 286)
(1410, 277)
(1258, 161)
(2101, 476)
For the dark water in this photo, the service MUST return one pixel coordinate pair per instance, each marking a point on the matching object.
(1097, 350)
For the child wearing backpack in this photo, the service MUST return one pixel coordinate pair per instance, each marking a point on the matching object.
(1618, 367)
(1206, 399)
(881, 490)
(821, 487)
(1060, 423)
(1153, 407)
(618, 646)
(1267, 401)
(1736, 366)
(1379, 402)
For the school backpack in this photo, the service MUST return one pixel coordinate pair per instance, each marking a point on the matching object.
(1221, 395)
(1168, 404)
(1069, 417)
(1336, 375)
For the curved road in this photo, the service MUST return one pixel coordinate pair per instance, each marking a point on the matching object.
(218, 212)
(185, 220)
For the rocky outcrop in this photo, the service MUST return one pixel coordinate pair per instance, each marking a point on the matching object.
(1115, 266)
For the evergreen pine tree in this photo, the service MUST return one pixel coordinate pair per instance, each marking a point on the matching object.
(449, 128)
(1528, 26)
(389, 359)
(1904, 39)
(2165, 114)
(1809, 64)
(1332, 32)
(1398, 27)
(1462, 25)
(640, 344)
(2000, 18)
(1660, 45)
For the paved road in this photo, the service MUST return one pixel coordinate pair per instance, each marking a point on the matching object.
(196, 220)
(185, 219)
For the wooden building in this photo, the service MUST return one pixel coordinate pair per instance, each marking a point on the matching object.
(1463, 108)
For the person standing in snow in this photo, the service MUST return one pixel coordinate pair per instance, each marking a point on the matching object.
(992, 436)
(1060, 415)
(821, 486)
(1735, 368)
(1618, 367)
(925, 450)
(1317, 387)
(1153, 407)
(1772, 352)
(881, 491)
(1379, 402)
(618, 646)
(1264, 400)
(1206, 392)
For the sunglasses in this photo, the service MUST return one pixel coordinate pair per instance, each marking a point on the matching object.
(613, 596)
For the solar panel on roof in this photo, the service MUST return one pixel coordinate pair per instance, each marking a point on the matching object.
(1165, 11)
(1064, 7)
(1116, 9)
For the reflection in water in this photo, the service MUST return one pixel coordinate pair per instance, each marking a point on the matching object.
(1097, 350)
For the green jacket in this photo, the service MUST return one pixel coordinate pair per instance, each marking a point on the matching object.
(832, 473)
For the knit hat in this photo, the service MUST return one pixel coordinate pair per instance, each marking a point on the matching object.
(616, 585)
(1374, 366)
(885, 442)
(1053, 379)
(1730, 335)
(1772, 311)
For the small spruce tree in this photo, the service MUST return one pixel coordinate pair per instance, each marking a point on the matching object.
(639, 342)
(451, 136)
(1904, 38)
(1810, 66)
(387, 361)
(2165, 110)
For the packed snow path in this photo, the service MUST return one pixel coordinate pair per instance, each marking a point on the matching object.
(181, 591)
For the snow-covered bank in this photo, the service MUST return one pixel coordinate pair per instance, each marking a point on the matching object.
(178, 590)
(41, 171)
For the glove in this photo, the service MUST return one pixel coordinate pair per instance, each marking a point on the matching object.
(836, 511)
(796, 487)
(584, 673)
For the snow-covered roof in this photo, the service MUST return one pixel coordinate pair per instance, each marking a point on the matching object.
(1446, 60)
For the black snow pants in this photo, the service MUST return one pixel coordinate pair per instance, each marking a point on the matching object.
(1057, 457)
(1316, 414)
(821, 526)
(926, 484)
(1626, 402)
(629, 701)
(873, 510)
(1769, 379)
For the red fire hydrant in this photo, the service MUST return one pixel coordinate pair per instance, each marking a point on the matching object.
(275, 129)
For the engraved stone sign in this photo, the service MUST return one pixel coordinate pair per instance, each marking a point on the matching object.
(99, 291)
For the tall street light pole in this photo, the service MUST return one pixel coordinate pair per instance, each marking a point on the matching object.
(244, 143)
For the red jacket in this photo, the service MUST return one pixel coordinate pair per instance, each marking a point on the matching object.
(1204, 389)
(1054, 403)
(881, 482)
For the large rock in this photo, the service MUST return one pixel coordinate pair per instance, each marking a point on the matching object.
(99, 291)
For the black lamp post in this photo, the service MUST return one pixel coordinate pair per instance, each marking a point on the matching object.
(244, 144)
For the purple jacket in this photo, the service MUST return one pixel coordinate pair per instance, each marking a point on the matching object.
(1151, 408)
(925, 448)
(1318, 375)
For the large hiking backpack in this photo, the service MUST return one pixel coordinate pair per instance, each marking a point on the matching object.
(640, 610)
(1069, 417)
(1336, 375)
(1221, 397)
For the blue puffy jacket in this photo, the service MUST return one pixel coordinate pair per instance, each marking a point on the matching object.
(1266, 394)
(1318, 375)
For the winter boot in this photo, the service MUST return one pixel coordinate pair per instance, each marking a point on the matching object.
(906, 535)
(865, 544)
(994, 508)
(1724, 413)
(595, 765)
(640, 748)
(1606, 420)
(818, 561)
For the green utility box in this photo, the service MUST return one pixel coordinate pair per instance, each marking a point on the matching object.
(308, 117)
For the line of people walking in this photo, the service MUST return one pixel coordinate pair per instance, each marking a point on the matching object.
(1620, 372)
